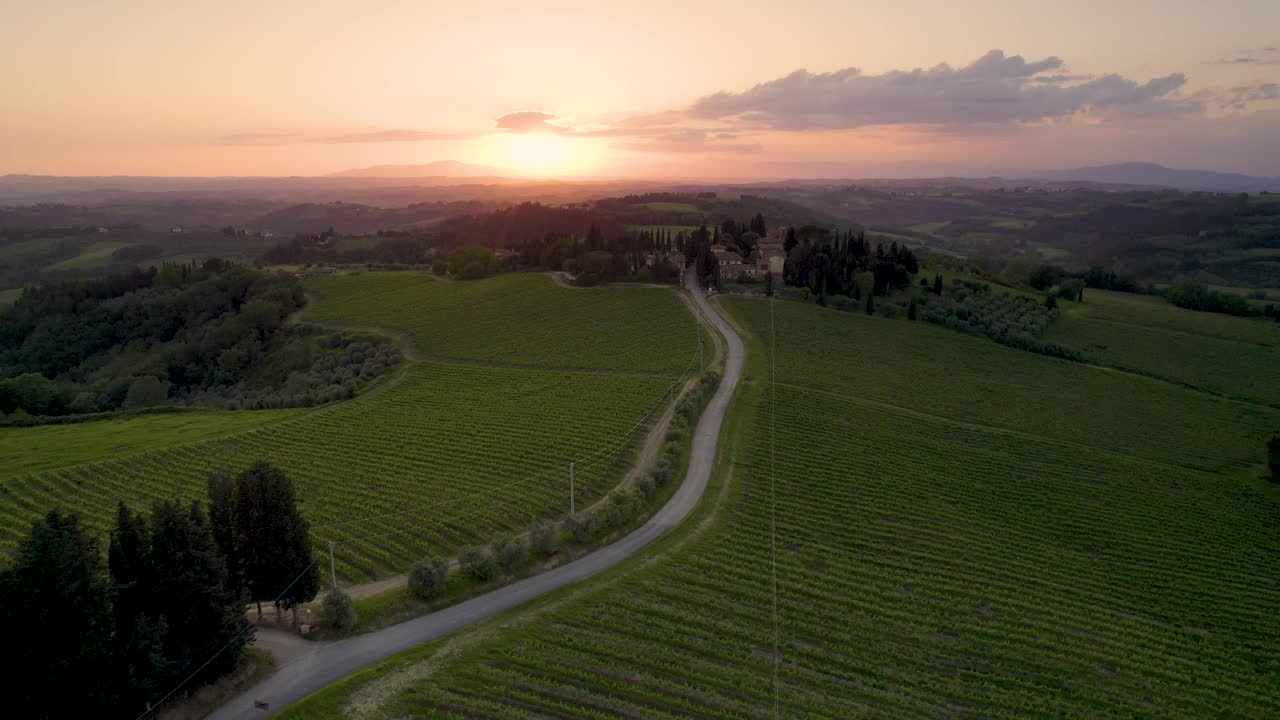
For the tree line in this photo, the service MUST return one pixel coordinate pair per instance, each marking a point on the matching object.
(830, 263)
(111, 636)
(213, 334)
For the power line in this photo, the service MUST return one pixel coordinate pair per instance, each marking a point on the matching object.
(773, 502)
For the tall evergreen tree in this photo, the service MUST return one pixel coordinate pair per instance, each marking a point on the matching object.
(271, 538)
(55, 616)
(871, 303)
(222, 508)
(187, 581)
(790, 242)
(140, 663)
(937, 284)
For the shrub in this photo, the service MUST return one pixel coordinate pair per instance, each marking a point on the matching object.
(339, 611)
(471, 271)
(646, 485)
(429, 577)
(478, 564)
(510, 551)
(620, 508)
(584, 526)
(440, 267)
(544, 537)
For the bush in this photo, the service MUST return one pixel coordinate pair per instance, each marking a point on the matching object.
(511, 552)
(543, 535)
(584, 526)
(339, 611)
(429, 577)
(478, 564)
(471, 271)
(440, 267)
(646, 485)
(622, 506)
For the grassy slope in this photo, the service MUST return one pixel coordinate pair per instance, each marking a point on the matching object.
(46, 447)
(939, 553)
(521, 319)
(442, 432)
(96, 255)
(1229, 356)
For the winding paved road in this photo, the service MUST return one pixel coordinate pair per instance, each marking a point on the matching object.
(332, 661)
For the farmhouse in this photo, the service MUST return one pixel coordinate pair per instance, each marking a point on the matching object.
(730, 263)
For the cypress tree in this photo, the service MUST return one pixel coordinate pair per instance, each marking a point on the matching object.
(937, 284)
(56, 620)
(187, 584)
(871, 303)
(911, 309)
(140, 661)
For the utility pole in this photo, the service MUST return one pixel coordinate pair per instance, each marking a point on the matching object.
(699, 352)
(571, 510)
(332, 573)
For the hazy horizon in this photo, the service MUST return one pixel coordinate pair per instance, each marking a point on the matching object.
(720, 91)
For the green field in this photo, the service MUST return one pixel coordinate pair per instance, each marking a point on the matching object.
(672, 207)
(1229, 356)
(673, 230)
(46, 447)
(8, 297)
(448, 452)
(962, 529)
(97, 254)
(516, 319)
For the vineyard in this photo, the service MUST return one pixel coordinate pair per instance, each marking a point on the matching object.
(1229, 356)
(443, 455)
(934, 557)
(516, 319)
(45, 447)
(929, 370)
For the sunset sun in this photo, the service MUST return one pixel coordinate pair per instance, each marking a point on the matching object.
(541, 153)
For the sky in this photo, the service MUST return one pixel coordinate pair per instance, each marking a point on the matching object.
(679, 89)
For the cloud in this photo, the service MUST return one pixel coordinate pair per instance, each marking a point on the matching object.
(993, 90)
(689, 141)
(1238, 97)
(1238, 61)
(259, 138)
(380, 136)
(528, 121)
(370, 136)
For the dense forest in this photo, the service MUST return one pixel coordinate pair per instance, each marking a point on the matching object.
(212, 334)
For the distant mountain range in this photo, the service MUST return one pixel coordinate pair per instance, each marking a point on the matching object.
(440, 168)
(1152, 175)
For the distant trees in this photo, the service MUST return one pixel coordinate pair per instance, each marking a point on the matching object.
(829, 263)
(472, 262)
(213, 334)
(1198, 297)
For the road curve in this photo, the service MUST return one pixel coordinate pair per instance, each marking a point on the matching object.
(332, 661)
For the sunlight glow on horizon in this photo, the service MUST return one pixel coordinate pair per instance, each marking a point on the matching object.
(539, 154)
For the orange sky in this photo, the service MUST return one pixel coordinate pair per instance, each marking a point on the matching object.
(240, 88)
